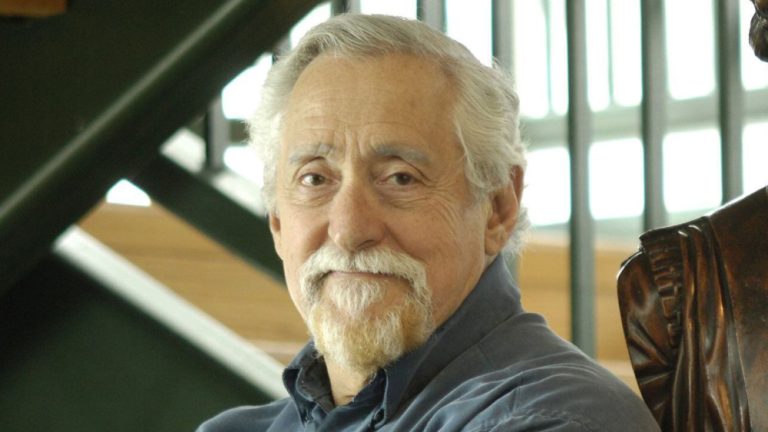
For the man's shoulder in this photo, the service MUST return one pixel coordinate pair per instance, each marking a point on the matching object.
(524, 374)
(578, 396)
(251, 418)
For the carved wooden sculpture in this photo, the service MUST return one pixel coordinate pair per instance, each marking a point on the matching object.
(758, 29)
(694, 306)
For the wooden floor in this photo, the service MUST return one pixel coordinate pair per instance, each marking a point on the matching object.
(260, 310)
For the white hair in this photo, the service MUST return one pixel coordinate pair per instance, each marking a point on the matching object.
(485, 116)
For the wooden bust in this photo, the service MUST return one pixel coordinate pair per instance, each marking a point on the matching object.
(758, 29)
(694, 305)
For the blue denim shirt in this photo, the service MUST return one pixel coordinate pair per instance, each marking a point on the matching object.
(490, 367)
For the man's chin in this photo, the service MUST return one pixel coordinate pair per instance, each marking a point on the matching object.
(369, 340)
(363, 324)
(357, 342)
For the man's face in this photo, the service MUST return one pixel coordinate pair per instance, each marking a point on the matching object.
(369, 162)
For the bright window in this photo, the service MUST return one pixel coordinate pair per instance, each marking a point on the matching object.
(244, 161)
(690, 48)
(692, 179)
(126, 193)
(241, 96)
(755, 155)
(402, 8)
(530, 58)
(470, 23)
(616, 178)
(547, 186)
(598, 77)
(319, 14)
(558, 58)
(625, 52)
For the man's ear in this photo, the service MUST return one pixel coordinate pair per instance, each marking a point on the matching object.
(274, 227)
(505, 207)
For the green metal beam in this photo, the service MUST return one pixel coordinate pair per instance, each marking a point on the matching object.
(194, 198)
(111, 81)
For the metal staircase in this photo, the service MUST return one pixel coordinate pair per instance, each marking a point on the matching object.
(87, 98)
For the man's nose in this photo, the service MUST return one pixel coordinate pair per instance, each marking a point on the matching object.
(354, 220)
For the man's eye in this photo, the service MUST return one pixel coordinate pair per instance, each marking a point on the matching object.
(312, 180)
(402, 179)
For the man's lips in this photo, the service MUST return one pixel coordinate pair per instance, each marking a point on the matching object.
(356, 274)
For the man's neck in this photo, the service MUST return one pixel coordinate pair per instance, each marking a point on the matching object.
(345, 383)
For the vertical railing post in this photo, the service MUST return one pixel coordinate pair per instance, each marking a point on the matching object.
(609, 53)
(432, 12)
(339, 6)
(281, 47)
(216, 130)
(730, 96)
(581, 224)
(547, 7)
(345, 6)
(653, 109)
(501, 33)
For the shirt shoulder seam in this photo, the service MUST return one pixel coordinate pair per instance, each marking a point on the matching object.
(584, 423)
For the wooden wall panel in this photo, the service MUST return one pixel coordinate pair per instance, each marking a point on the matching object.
(251, 303)
(32, 8)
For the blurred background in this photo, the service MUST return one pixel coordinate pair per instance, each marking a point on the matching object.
(138, 285)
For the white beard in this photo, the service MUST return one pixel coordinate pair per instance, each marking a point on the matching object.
(340, 319)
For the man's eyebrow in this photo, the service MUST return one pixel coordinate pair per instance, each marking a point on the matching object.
(310, 151)
(405, 152)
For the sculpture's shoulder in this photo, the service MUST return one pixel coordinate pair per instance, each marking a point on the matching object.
(276, 416)
(687, 301)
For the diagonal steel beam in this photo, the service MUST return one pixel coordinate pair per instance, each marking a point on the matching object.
(106, 114)
(194, 198)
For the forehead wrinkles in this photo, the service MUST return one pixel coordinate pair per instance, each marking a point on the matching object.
(305, 152)
(335, 95)
(383, 151)
(410, 80)
(402, 151)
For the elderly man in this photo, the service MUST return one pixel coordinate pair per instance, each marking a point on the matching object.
(394, 171)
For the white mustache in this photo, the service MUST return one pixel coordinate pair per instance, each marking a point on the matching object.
(329, 259)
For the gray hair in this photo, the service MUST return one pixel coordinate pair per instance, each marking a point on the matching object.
(485, 115)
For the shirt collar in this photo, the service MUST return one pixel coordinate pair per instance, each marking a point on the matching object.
(295, 372)
(493, 300)
(306, 379)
